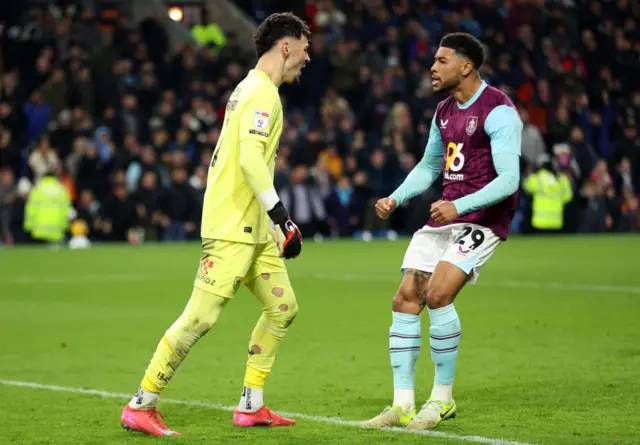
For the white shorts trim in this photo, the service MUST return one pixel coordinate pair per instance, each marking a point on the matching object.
(465, 245)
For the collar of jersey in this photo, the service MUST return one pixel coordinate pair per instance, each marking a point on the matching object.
(475, 97)
(259, 73)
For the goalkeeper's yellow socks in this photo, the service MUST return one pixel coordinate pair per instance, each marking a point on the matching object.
(253, 390)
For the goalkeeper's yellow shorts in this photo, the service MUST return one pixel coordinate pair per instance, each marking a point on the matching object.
(225, 265)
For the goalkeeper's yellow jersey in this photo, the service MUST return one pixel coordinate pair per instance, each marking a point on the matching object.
(231, 210)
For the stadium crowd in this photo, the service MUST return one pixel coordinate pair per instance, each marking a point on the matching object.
(128, 125)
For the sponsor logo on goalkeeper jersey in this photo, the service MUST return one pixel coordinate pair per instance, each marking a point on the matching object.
(205, 279)
(206, 265)
(264, 134)
(203, 272)
(261, 120)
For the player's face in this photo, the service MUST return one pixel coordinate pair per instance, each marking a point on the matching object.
(446, 71)
(296, 53)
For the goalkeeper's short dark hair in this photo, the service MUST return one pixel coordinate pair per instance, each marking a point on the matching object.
(465, 45)
(277, 26)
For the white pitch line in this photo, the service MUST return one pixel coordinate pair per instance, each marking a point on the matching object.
(220, 407)
(126, 278)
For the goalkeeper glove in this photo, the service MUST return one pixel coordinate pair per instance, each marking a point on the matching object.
(285, 232)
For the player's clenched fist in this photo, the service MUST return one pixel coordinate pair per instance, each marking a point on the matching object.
(385, 207)
(285, 232)
(443, 212)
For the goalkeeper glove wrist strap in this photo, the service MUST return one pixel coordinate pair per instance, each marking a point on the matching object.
(278, 214)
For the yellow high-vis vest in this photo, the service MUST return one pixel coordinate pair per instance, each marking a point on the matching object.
(550, 194)
(46, 214)
(206, 34)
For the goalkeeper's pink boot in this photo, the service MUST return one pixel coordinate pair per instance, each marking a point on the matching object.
(146, 421)
(263, 417)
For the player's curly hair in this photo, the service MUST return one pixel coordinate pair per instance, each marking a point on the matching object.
(465, 45)
(277, 26)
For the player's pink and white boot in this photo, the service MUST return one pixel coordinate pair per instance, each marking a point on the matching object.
(263, 417)
(146, 421)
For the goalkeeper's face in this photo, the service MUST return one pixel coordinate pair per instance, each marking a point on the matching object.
(296, 56)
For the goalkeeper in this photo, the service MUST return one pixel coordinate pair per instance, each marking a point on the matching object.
(240, 206)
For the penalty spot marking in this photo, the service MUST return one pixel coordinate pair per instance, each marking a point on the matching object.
(220, 407)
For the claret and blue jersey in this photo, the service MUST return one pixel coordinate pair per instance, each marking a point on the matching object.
(476, 146)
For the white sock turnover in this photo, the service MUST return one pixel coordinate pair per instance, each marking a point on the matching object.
(143, 400)
(251, 400)
(404, 398)
(443, 393)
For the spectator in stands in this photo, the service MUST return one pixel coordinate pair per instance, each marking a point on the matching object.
(38, 114)
(178, 208)
(332, 161)
(623, 180)
(148, 162)
(343, 209)
(629, 214)
(345, 66)
(92, 171)
(9, 151)
(61, 133)
(330, 19)
(627, 146)
(304, 202)
(532, 141)
(308, 148)
(87, 210)
(147, 199)
(118, 214)
(54, 91)
(559, 126)
(7, 197)
(43, 159)
(398, 127)
(584, 152)
(379, 180)
(183, 144)
(596, 216)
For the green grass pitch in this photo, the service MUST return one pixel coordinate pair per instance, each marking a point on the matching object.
(550, 352)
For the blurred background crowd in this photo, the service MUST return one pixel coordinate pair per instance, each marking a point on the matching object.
(127, 122)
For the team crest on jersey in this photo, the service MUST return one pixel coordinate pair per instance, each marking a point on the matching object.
(472, 124)
(261, 119)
